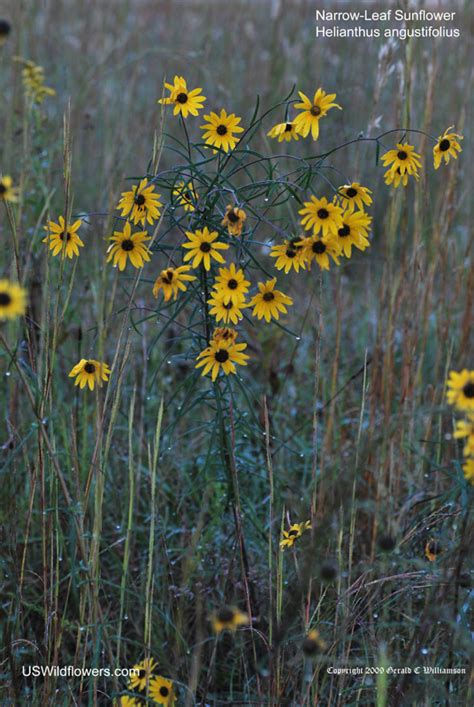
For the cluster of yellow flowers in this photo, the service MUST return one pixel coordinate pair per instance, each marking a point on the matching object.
(461, 394)
(403, 162)
(34, 81)
(159, 690)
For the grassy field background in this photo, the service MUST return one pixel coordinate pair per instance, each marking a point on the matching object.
(130, 515)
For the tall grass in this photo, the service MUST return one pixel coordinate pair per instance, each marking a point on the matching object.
(130, 514)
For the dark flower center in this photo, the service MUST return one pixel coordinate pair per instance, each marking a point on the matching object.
(221, 130)
(164, 692)
(344, 231)
(288, 127)
(139, 200)
(68, 236)
(351, 192)
(4, 28)
(89, 367)
(444, 145)
(182, 97)
(225, 614)
(205, 247)
(323, 213)
(128, 244)
(268, 297)
(434, 547)
(142, 673)
(309, 646)
(315, 110)
(402, 155)
(290, 253)
(229, 305)
(5, 299)
(232, 216)
(232, 284)
(167, 277)
(296, 240)
(319, 247)
(292, 533)
(468, 390)
(3, 188)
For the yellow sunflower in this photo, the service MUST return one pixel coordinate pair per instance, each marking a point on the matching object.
(284, 131)
(185, 195)
(89, 372)
(353, 232)
(126, 701)
(229, 312)
(141, 204)
(171, 280)
(446, 146)
(468, 469)
(224, 333)
(396, 178)
(313, 644)
(268, 303)
(7, 191)
(220, 129)
(320, 250)
(128, 246)
(465, 430)
(403, 158)
(289, 254)
(185, 102)
(203, 246)
(294, 532)
(234, 220)
(228, 618)
(354, 196)
(143, 672)
(321, 215)
(432, 549)
(311, 112)
(461, 390)
(231, 284)
(63, 240)
(162, 691)
(12, 300)
(221, 355)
